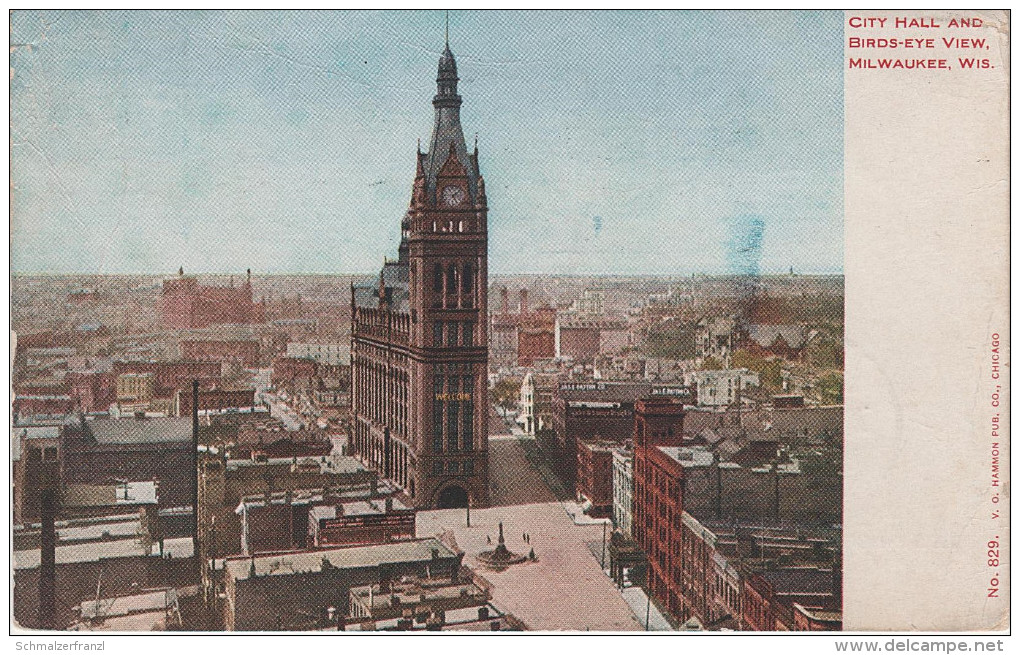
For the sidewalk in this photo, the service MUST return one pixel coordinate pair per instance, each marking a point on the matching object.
(638, 602)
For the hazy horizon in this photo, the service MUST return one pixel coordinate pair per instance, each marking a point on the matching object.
(284, 141)
(240, 274)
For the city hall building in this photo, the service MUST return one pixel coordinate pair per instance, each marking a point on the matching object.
(419, 345)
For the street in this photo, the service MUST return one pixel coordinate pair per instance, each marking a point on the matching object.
(565, 589)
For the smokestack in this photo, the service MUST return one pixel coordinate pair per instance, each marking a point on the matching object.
(48, 562)
(524, 301)
(505, 301)
(194, 467)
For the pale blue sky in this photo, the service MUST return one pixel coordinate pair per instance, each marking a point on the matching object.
(611, 142)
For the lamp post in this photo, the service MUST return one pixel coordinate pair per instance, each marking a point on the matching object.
(469, 510)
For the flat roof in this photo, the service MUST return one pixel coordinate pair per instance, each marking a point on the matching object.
(159, 599)
(689, 457)
(320, 509)
(103, 495)
(332, 464)
(141, 430)
(417, 592)
(416, 550)
(178, 548)
(38, 431)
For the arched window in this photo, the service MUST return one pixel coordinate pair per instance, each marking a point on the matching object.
(451, 280)
(437, 279)
(468, 278)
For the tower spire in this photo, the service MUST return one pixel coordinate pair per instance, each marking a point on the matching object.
(447, 131)
(447, 28)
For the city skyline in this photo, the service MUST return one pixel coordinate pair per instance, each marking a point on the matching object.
(271, 146)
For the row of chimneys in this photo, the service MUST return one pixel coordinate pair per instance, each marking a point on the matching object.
(505, 296)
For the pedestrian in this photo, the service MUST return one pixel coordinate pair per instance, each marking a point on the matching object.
(488, 539)
(524, 537)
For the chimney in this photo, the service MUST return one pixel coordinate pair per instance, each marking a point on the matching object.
(48, 562)
(524, 301)
(504, 301)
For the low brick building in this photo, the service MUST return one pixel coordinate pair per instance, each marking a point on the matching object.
(595, 477)
(372, 521)
(294, 371)
(169, 376)
(320, 519)
(770, 596)
(39, 406)
(311, 589)
(594, 411)
(92, 390)
(215, 401)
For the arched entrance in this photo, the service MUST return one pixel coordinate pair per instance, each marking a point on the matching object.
(452, 496)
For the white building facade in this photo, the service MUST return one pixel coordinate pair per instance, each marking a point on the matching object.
(623, 491)
(721, 388)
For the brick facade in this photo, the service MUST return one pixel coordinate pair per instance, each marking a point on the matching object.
(187, 304)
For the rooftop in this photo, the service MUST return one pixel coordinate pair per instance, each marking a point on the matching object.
(38, 432)
(831, 616)
(601, 391)
(123, 605)
(800, 581)
(438, 594)
(180, 548)
(327, 464)
(118, 431)
(96, 495)
(417, 550)
(689, 457)
(375, 507)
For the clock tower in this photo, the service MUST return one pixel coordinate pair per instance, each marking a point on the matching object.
(419, 340)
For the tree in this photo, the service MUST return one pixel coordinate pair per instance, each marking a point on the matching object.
(830, 388)
(771, 375)
(770, 371)
(711, 364)
(746, 359)
(669, 342)
(506, 393)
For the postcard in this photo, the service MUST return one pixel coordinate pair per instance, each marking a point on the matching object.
(508, 321)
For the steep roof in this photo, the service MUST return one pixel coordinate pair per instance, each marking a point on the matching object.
(447, 132)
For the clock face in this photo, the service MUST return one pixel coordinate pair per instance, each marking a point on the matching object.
(453, 195)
